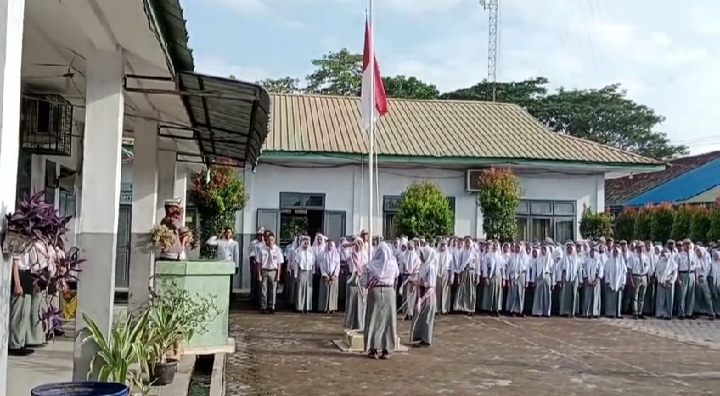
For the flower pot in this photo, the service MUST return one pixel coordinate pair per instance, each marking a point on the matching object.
(15, 243)
(81, 389)
(163, 373)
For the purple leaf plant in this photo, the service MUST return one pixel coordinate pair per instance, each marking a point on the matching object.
(40, 222)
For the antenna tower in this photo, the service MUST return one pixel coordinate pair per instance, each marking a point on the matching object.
(492, 7)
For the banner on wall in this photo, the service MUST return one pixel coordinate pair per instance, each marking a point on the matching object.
(126, 193)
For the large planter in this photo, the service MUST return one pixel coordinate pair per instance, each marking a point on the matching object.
(204, 278)
(163, 373)
(81, 389)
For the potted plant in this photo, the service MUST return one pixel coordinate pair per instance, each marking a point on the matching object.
(33, 220)
(163, 334)
(118, 353)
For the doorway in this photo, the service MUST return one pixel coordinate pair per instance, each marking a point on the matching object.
(122, 258)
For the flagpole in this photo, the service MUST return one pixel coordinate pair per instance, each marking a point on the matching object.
(371, 133)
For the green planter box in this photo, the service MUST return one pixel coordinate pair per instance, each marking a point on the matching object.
(205, 278)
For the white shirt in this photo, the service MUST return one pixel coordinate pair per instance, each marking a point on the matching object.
(23, 261)
(252, 249)
(270, 258)
(685, 261)
(639, 264)
(304, 260)
(227, 249)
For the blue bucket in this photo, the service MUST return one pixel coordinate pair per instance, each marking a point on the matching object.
(82, 389)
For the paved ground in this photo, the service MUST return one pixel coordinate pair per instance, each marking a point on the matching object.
(290, 354)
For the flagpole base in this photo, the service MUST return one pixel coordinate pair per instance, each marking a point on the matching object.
(353, 342)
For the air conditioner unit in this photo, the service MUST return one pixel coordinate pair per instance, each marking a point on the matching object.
(472, 180)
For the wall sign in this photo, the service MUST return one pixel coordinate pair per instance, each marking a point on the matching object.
(126, 193)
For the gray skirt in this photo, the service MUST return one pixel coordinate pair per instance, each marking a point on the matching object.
(591, 302)
(409, 297)
(542, 296)
(664, 297)
(613, 302)
(493, 294)
(328, 299)
(380, 330)
(424, 321)
(466, 292)
(516, 295)
(442, 293)
(569, 298)
(303, 291)
(354, 305)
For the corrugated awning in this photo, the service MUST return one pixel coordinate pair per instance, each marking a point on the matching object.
(229, 117)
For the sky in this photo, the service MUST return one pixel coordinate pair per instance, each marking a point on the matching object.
(666, 54)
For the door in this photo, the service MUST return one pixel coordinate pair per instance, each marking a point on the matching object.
(122, 260)
(334, 224)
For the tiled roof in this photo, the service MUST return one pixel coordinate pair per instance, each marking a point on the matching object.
(429, 128)
(620, 190)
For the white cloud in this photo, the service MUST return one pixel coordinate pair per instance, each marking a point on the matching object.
(216, 66)
(664, 57)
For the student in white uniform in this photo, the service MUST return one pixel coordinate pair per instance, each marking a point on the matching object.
(20, 304)
(271, 258)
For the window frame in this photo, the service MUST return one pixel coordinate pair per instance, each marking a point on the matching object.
(525, 212)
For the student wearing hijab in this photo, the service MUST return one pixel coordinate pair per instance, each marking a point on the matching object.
(424, 321)
(289, 280)
(652, 252)
(714, 282)
(329, 271)
(568, 275)
(516, 277)
(466, 270)
(615, 279)
(303, 268)
(444, 272)
(666, 273)
(542, 274)
(344, 251)
(318, 248)
(592, 274)
(702, 288)
(409, 267)
(493, 273)
(355, 299)
(380, 329)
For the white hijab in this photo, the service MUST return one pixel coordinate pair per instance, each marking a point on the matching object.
(382, 262)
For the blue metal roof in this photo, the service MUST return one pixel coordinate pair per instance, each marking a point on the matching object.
(685, 186)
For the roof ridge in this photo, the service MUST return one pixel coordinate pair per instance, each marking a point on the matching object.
(345, 97)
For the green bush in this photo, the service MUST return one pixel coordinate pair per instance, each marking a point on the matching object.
(217, 200)
(662, 222)
(499, 197)
(643, 224)
(714, 231)
(424, 211)
(595, 225)
(625, 224)
(700, 222)
(681, 223)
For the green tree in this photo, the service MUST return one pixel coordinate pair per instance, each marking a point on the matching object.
(424, 210)
(336, 73)
(499, 197)
(681, 223)
(625, 224)
(714, 231)
(662, 222)
(409, 88)
(602, 115)
(285, 85)
(700, 223)
(217, 199)
(643, 224)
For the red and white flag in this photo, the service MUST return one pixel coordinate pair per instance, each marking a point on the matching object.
(369, 77)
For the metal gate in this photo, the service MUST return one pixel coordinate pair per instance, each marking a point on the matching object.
(122, 259)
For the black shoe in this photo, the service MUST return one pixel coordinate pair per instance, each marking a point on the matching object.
(20, 352)
(635, 317)
(272, 312)
(642, 317)
(263, 311)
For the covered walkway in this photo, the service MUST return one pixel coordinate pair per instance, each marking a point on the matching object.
(79, 77)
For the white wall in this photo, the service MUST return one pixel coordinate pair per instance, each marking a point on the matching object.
(346, 191)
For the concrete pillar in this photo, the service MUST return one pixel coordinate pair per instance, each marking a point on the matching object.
(12, 14)
(166, 176)
(100, 197)
(180, 186)
(144, 213)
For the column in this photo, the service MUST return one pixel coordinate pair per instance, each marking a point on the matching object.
(12, 13)
(100, 197)
(180, 186)
(144, 213)
(166, 175)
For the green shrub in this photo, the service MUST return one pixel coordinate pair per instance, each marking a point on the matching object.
(700, 222)
(714, 231)
(681, 223)
(625, 224)
(499, 197)
(662, 222)
(643, 223)
(595, 225)
(424, 210)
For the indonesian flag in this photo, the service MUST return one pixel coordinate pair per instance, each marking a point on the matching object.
(368, 78)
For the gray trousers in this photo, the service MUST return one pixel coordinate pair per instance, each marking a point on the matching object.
(268, 289)
(715, 294)
(19, 320)
(686, 294)
(35, 334)
(639, 291)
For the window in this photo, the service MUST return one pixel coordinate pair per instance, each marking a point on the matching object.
(50, 181)
(302, 201)
(537, 220)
